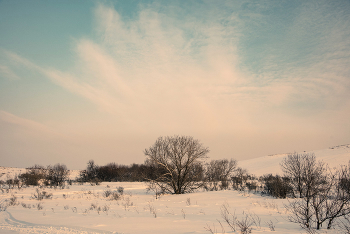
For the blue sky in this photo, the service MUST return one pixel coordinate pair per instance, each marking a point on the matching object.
(101, 80)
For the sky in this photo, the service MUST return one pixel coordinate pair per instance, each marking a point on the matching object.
(102, 80)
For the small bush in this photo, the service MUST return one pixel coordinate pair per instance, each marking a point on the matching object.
(152, 210)
(12, 201)
(120, 190)
(95, 181)
(24, 205)
(3, 207)
(245, 225)
(105, 208)
(93, 206)
(127, 203)
(40, 195)
(115, 196)
(39, 206)
(229, 218)
(13, 182)
(251, 186)
(33, 175)
(271, 225)
(112, 195)
(107, 193)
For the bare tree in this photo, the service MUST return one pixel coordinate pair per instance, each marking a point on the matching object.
(219, 171)
(337, 203)
(325, 196)
(57, 174)
(344, 178)
(310, 183)
(240, 178)
(301, 213)
(91, 173)
(322, 197)
(293, 167)
(332, 199)
(177, 158)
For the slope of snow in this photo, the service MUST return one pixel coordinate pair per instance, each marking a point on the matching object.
(10, 172)
(334, 156)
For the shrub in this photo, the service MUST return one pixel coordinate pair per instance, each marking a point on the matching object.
(13, 182)
(12, 201)
(57, 174)
(251, 186)
(245, 225)
(39, 206)
(106, 193)
(277, 186)
(33, 175)
(120, 190)
(115, 196)
(239, 178)
(40, 195)
(112, 195)
(218, 173)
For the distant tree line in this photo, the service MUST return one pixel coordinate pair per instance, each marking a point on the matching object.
(113, 172)
(55, 175)
(215, 175)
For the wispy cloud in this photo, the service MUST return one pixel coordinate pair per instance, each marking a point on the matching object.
(152, 61)
(7, 72)
(166, 72)
(33, 127)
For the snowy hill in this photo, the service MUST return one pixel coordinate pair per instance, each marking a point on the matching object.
(333, 156)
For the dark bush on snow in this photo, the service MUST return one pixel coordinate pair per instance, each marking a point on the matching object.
(33, 175)
(277, 186)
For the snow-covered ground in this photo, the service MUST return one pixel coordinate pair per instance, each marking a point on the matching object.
(85, 209)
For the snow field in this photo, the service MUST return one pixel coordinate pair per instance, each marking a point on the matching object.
(85, 209)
